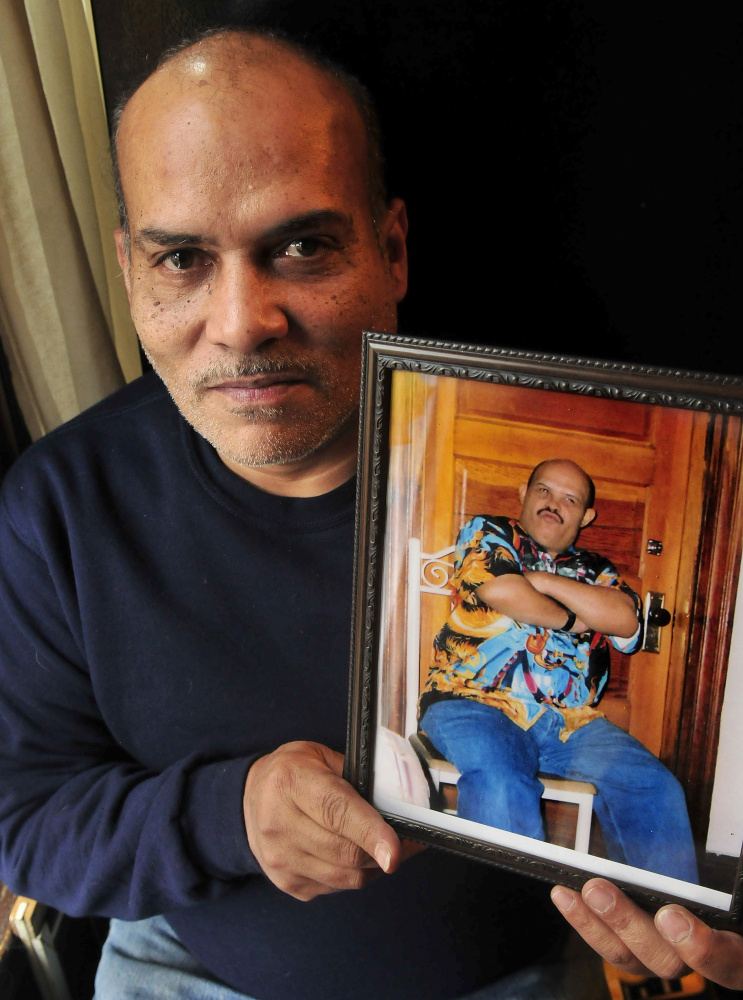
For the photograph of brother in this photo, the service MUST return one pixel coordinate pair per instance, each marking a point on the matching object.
(518, 672)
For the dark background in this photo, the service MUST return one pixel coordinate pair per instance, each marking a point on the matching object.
(573, 171)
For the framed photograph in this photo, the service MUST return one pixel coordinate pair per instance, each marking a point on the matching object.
(547, 659)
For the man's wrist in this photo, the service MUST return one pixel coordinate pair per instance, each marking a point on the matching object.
(570, 620)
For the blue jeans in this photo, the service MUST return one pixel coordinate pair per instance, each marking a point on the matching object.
(639, 804)
(144, 960)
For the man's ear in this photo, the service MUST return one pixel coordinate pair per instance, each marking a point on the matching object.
(588, 516)
(522, 492)
(124, 262)
(393, 233)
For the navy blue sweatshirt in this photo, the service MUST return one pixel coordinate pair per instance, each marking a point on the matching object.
(163, 624)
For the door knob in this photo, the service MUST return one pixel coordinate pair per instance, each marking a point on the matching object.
(659, 617)
(656, 618)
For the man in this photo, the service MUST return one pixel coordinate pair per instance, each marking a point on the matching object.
(522, 662)
(175, 593)
(175, 596)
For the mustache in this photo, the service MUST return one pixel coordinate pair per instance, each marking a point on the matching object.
(256, 366)
(551, 511)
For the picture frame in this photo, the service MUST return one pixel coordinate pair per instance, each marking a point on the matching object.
(450, 432)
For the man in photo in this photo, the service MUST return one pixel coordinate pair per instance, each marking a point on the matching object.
(520, 666)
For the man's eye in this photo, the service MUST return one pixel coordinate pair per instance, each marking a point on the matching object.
(178, 260)
(302, 248)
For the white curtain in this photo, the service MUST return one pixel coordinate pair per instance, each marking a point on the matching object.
(64, 321)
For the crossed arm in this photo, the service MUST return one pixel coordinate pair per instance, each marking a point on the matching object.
(531, 598)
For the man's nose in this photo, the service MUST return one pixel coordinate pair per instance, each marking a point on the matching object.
(244, 308)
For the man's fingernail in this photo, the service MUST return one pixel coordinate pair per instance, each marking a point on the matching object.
(563, 900)
(673, 924)
(383, 856)
(599, 899)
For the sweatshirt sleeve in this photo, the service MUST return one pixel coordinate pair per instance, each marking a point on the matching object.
(83, 826)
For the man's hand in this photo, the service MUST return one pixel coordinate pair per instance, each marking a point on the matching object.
(309, 830)
(669, 946)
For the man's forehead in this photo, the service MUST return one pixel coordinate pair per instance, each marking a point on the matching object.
(213, 113)
(563, 474)
(252, 77)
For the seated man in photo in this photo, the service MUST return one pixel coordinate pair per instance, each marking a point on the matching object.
(520, 665)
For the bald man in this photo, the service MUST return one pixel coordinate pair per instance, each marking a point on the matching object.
(176, 571)
(519, 668)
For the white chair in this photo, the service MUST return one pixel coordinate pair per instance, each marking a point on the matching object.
(430, 573)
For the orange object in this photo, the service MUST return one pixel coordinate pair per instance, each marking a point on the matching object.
(623, 986)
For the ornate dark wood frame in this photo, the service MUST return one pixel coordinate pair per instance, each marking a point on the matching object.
(382, 355)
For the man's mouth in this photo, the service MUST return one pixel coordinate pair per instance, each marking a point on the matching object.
(551, 514)
(260, 383)
(258, 387)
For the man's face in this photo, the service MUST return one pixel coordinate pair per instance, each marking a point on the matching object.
(554, 507)
(254, 262)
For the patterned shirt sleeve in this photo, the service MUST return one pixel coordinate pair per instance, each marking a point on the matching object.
(486, 548)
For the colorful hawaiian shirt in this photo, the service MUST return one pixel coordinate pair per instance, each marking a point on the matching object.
(521, 669)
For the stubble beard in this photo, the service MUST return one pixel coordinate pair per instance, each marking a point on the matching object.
(258, 436)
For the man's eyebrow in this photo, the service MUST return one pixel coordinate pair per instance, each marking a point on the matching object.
(568, 493)
(165, 238)
(290, 227)
(310, 220)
